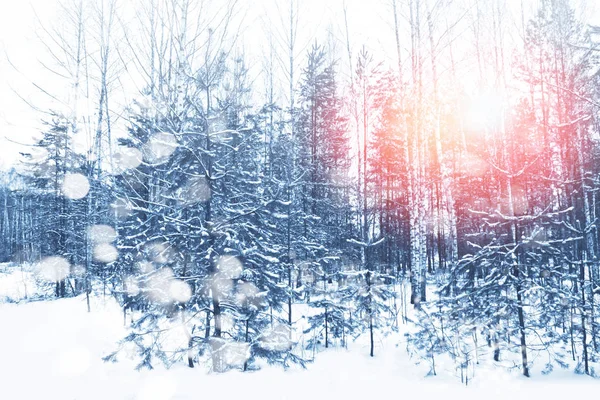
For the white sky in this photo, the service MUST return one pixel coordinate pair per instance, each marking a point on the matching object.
(370, 23)
(16, 40)
(21, 53)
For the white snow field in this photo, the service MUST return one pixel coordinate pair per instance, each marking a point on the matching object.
(52, 350)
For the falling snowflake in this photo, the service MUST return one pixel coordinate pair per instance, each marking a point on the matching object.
(78, 270)
(247, 294)
(235, 354)
(159, 285)
(75, 186)
(102, 234)
(105, 253)
(126, 158)
(229, 267)
(161, 252)
(221, 286)
(179, 291)
(132, 287)
(53, 269)
(159, 148)
(145, 267)
(277, 339)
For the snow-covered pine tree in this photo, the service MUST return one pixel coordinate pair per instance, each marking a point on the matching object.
(323, 147)
(58, 178)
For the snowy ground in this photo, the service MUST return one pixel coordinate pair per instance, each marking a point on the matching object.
(52, 350)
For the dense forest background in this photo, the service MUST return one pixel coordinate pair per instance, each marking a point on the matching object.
(310, 192)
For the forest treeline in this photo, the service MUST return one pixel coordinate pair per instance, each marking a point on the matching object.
(218, 199)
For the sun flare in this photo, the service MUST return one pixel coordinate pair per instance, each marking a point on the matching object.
(483, 111)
